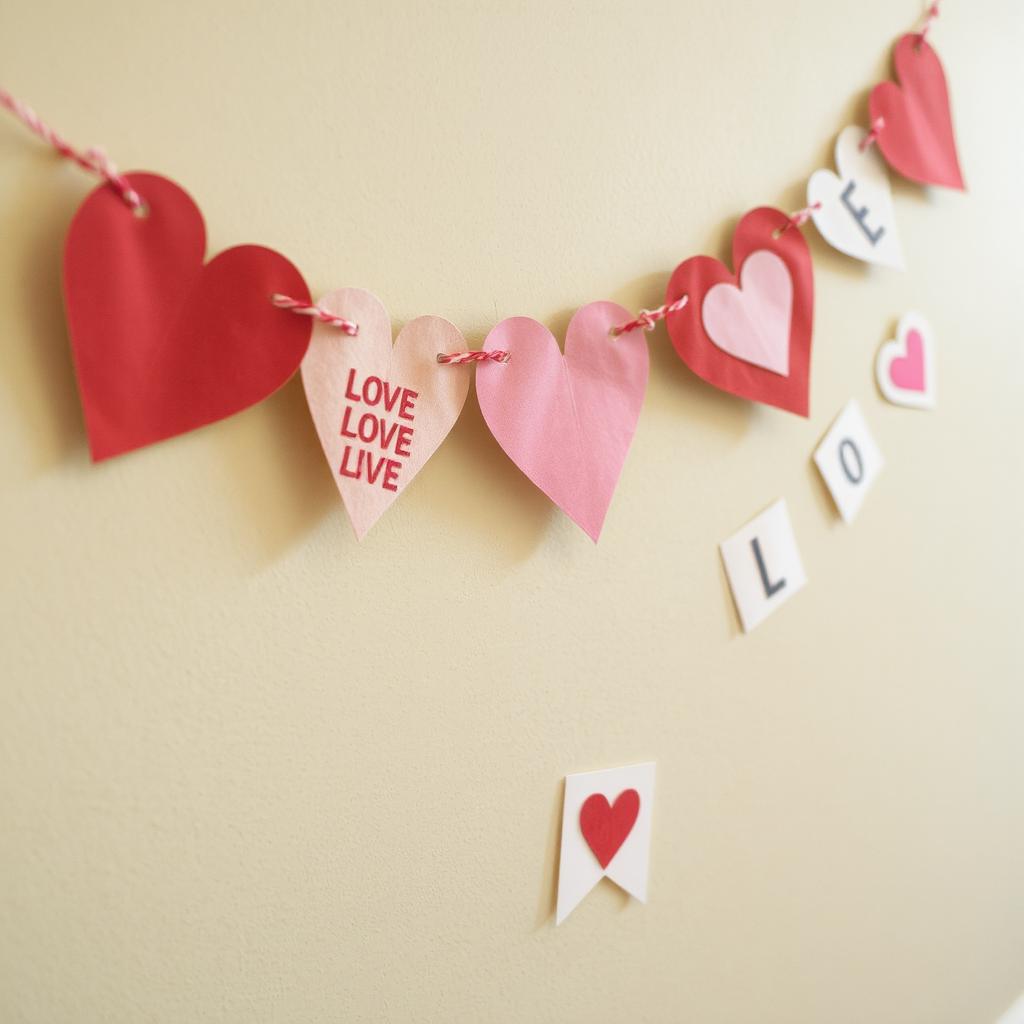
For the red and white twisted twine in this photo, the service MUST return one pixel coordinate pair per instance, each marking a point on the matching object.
(496, 355)
(93, 159)
(348, 327)
(929, 20)
(647, 318)
(877, 126)
(351, 328)
(798, 219)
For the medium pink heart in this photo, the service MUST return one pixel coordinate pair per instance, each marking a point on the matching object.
(567, 421)
(751, 322)
(907, 371)
(380, 410)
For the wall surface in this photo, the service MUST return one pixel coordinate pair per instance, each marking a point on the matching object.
(252, 771)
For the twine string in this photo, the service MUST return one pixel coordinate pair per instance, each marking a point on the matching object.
(93, 159)
(349, 327)
(477, 356)
(797, 219)
(929, 20)
(877, 127)
(647, 319)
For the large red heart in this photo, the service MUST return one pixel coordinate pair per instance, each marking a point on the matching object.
(695, 277)
(606, 827)
(164, 343)
(917, 138)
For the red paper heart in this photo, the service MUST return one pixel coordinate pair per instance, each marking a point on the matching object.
(917, 138)
(697, 275)
(164, 343)
(605, 827)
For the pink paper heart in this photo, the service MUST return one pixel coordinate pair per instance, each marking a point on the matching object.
(567, 421)
(907, 371)
(380, 410)
(751, 322)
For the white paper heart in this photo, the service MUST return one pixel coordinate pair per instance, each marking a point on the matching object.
(856, 215)
(380, 410)
(905, 368)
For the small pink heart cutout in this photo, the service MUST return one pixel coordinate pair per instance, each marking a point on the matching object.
(905, 366)
(751, 322)
(907, 371)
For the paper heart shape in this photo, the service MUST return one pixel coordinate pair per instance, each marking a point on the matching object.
(751, 322)
(380, 410)
(567, 421)
(905, 367)
(606, 826)
(855, 211)
(907, 372)
(162, 342)
(699, 276)
(918, 137)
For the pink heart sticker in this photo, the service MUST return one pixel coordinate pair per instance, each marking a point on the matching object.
(751, 322)
(380, 410)
(567, 421)
(905, 367)
(907, 371)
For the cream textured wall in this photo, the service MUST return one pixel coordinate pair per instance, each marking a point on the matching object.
(255, 772)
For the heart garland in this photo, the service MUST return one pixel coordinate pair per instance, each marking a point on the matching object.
(749, 333)
(380, 410)
(917, 138)
(163, 342)
(567, 421)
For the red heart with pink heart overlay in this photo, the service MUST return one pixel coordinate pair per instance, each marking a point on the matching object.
(917, 138)
(749, 333)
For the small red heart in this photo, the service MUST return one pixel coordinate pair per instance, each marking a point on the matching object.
(605, 827)
(696, 276)
(917, 138)
(164, 343)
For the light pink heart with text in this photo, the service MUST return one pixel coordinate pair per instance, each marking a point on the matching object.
(380, 410)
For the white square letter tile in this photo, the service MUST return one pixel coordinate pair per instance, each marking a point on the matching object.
(763, 565)
(849, 460)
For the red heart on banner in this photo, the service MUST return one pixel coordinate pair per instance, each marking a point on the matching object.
(164, 343)
(917, 138)
(605, 827)
(747, 312)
